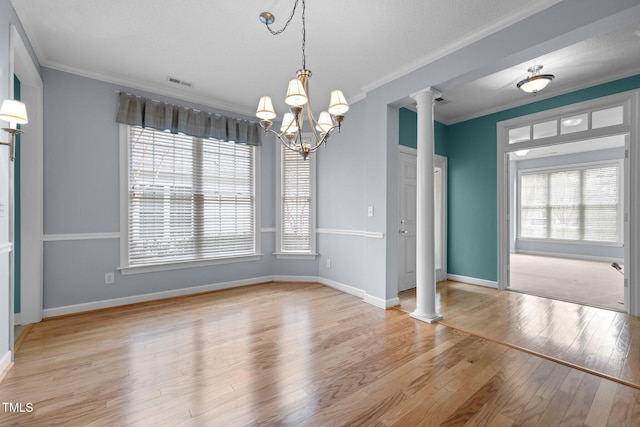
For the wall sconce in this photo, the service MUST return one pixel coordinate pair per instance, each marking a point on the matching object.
(14, 112)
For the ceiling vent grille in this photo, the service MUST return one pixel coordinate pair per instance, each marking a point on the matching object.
(179, 82)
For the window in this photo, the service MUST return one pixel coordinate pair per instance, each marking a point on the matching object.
(580, 204)
(296, 205)
(571, 123)
(188, 199)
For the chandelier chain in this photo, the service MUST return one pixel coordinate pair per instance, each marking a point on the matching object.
(304, 35)
(281, 30)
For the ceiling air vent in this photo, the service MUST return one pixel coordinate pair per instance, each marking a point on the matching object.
(179, 82)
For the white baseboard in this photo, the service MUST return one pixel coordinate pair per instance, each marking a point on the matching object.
(96, 305)
(473, 281)
(381, 303)
(17, 319)
(341, 287)
(5, 362)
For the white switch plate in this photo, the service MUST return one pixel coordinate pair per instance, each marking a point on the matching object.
(370, 211)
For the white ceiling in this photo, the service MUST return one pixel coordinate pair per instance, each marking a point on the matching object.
(356, 45)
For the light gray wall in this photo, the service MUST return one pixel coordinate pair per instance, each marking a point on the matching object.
(81, 175)
(341, 202)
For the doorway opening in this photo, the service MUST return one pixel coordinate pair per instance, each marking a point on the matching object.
(565, 210)
(567, 230)
(407, 226)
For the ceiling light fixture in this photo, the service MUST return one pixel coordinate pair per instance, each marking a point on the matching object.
(14, 112)
(298, 100)
(536, 81)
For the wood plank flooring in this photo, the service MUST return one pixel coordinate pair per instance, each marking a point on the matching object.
(601, 341)
(291, 354)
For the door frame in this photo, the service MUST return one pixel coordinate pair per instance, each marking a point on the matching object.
(31, 179)
(631, 123)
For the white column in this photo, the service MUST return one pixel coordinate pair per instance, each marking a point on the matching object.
(425, 216)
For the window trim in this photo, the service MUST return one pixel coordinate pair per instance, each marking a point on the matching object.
(312, 254)
(127, 269)
(571, 167)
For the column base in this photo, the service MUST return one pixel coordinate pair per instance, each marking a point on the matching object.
(429, 318)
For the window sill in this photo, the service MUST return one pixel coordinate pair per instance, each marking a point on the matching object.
(152, 268)
(292, 255)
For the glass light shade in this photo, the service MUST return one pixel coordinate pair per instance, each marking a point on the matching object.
(324, 122)
(296, 96)
(338, 104)
(14, 112)
(288, 124)
(265, 109)
(534, 84)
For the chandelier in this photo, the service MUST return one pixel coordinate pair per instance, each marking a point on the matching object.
(297, 98)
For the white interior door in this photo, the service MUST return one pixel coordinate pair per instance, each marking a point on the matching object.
(407, 226)
(407, 229)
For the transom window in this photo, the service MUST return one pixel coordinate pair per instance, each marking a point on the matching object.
(568, 124)
(188, 198)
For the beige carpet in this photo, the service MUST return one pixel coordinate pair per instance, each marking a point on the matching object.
(584, 282)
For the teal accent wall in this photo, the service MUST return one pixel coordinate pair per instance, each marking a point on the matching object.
(408, 132)
(17, 276)
(472, 249)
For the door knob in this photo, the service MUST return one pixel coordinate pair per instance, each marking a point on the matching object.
(403, 231)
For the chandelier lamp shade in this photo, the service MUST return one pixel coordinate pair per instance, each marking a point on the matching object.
(536, 81)
(297, 98)
(14, 112)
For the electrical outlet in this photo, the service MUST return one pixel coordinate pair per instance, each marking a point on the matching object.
(108, 278)
(328, 263)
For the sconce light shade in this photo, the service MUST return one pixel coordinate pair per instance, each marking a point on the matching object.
(13, 111)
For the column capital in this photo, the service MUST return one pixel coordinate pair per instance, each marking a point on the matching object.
(427, 94)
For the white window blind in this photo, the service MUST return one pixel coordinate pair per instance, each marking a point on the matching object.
(578, 204)
(189, 199)
(296, 203)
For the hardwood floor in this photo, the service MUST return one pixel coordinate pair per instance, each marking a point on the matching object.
(291, 354)
(600, 341)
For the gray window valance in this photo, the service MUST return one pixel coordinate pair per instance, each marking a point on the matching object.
(138, 111)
